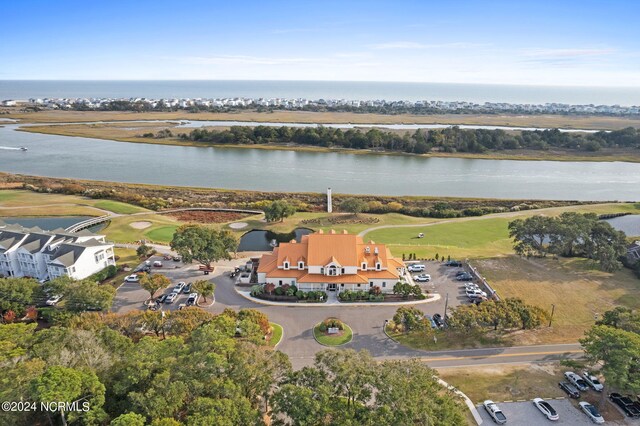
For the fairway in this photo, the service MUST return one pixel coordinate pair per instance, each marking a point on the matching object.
(118, 207)
(461, 239)
(161, 229)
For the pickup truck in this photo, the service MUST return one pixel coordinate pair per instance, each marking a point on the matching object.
(495, 412)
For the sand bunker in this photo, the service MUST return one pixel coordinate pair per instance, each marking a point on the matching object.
(238, 225)
(140, 225)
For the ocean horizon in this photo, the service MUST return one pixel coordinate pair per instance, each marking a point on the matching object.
(351, 90)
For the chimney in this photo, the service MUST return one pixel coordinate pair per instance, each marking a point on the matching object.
(375, 250)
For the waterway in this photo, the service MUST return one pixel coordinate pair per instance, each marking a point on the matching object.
(300, 171)
(629, 224)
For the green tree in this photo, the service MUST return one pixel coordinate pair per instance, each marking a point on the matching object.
(410, 319)
(154, 282)
(529, 235)
(203, 244)
(354, 206)
(278, 210)
(17, 293)
(143, 250)
(129, 419)
(86, 295)
(68, 385)
(617, 351)
(204, 288)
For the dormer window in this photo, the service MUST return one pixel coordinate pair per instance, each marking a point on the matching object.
(332, 270)
(286, 266)
(364, 266)
(301, 265)
(378, 266)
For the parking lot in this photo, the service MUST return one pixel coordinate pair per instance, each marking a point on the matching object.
(443, 281)
(525, 413)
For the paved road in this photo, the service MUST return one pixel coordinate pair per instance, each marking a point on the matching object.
(366, 322)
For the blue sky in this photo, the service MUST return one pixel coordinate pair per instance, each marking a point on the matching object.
(593, 43)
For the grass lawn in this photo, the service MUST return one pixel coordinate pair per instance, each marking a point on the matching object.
(578, 292)
(448, 340)
(506, 383)
(276, 334)
(333, 340)
(125, 257)
(120, 229)
(118, 207)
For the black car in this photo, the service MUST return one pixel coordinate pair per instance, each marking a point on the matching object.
(187, 288)
(571, 390)
(454, 263)
(437, 318)
(464, 277)
(625, 403)
(161, 299)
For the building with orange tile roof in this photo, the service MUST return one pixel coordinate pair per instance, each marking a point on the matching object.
(331, 262)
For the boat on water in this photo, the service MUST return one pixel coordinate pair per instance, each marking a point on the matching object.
(23, 148)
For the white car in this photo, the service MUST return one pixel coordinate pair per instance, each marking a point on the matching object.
(415, 268)
(591, 412)
(422, 278)
(495, 412)
(577, 381)
(157, 264)
(592, 381)
(476, 293)
(53, 300)
(171, 297)
(546, 409)
(133, 278)
(179, 287)
(471, 286)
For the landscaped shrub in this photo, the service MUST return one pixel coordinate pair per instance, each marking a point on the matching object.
(279, 291)
(301, 294)
(256, 290)
(331, 323)
(108, 272)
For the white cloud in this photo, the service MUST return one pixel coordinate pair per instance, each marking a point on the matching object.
(415, 45)
(565, 53)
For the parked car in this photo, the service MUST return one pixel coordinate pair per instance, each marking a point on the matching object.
(187, 289)
(625, 403)
(576, 381)
(471, 286)
(475, 293)
(177, 259)
(162, 299)
(431, 321)
(495, 412)
(179, 287)
(193, 298)
(571, 390)
(592, 381)
(461, 273)
(416, 268)
(422, 278)
(546, 409)
(157, 264)
(133, 278)
(464, 277)
(171, 297)
(167, 257)
(591, 412)
(455, 263)
(53, 300)
(437, 318)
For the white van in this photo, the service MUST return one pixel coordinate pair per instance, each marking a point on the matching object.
(416, 268)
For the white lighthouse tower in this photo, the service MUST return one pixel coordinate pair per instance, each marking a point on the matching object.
(329, 203)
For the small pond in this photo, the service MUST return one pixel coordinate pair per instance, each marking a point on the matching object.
(50, 223)
(629, 224)
(261, 240)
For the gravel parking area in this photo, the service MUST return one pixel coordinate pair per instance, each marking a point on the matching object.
(525, 413)
(443, 281)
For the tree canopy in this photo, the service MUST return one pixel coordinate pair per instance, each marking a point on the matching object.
(278, 210)
(203, 244)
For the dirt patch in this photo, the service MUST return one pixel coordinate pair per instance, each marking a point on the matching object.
(140, 225)
(207, 216)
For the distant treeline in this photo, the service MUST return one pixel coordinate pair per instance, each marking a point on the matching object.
(450, 139)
